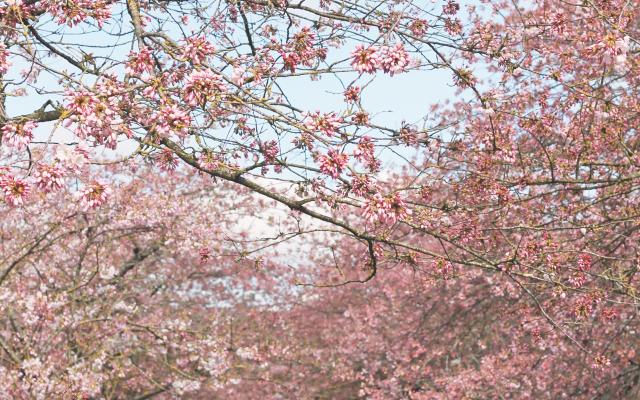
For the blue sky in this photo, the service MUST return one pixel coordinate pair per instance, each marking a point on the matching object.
(390, 100)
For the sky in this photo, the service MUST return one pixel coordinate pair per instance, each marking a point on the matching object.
(391, 100)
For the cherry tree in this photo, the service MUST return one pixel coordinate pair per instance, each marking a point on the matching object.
(180, 220)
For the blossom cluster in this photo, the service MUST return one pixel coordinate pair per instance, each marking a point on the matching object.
(197, 50)
(139, 62)
(390, 59)
(301, 50)
(15, 189)
(75, 12)
(201, 86)
(4, 59)
(171, 120)
(327, 123)
(96, 116)
(333, 163)
(386, 209)
(93, 195)
(49, 177)
(18, 134)
(364, 153)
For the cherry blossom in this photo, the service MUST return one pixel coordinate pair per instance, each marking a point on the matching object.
(4, 61)
(202, 86)
(49, 177)
(175, 224)
(365, 154)
(19, 134)
(352, 94)
(15, 190)
(393, 59)
(95, 116)
(140, 62)
(171, 120)
(197, 49)
(166, 160)
(365, 60)
(333, 163)
(93, 195)
(328, 123)
(78, 11)
(386, 209)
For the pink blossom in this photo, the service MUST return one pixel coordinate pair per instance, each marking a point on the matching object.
(197, 50)
(81, 102)
(364, 153)
(375, 208)
(418, 27)
(584, 262)
(171, 120)
(579, 278)
(328, 123)
(451, 8)
(19, 134)
(361, 185)
(15, 190)
(621, 50)
(205, 255)
(397, 208)
(600, 362)
(583, 306)
(291, 60)
(74, 12)
(301, 50)
(388, 210)
(452, 26)
(609, 314)
(364, 59)
(4, 59)
(442, 268)
(202, 86)
(95, 116)
(166, 160)
(49, 177)
(352, 94)
(270, 151)
(93, 195)
(393, 59)
(70, 158)
(183, 386)
(408, 135)
(139, 62)
(238, 75)
(209, 160)
(248, 353)
(361, 118)
(333, 163)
